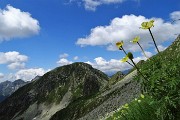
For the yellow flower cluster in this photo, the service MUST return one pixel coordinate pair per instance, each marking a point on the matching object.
(144, 25)
(138, 100)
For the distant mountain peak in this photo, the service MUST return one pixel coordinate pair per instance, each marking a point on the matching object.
(8, 87)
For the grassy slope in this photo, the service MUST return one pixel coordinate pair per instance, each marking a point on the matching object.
(163, 85)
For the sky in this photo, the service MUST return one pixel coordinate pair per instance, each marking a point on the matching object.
(37, 36)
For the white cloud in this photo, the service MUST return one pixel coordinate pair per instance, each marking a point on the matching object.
(12, 56)
(14, 59)
(29, 74)
(126, 28)
(63, 61)
(16, 24)
(64, 55)
(149, 54)
(175, 15)
(76, 58)
(93, 4)
(1, 75)
(114, 65)
(161, 48)
(16, 65)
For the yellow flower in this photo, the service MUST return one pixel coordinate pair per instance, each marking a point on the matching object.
(136, 39)
(125, 59)
(120, 44)
(147, 25)
(126, 106)
(142, 96)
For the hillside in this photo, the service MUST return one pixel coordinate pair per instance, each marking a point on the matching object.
(161, 100)
(76, 91)
(53, 91)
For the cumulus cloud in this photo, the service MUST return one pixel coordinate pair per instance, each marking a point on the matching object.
(12, 56)
(14, 59)
(29, 74)
(126, 28)
(114, 65)
(175, 15)
(64, 55)
(16, 65)
(63, 61)
(16, 24)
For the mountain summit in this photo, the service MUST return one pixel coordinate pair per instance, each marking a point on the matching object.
(52, 92)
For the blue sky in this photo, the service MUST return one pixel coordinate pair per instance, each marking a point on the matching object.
(39, 35)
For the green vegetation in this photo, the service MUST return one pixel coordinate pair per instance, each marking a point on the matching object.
(161, 88)
(139, 109)
(78, 92)
(79, 107)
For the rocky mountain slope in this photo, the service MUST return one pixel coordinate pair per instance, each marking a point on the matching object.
(76, 91)
(8, 87)
(42, 98)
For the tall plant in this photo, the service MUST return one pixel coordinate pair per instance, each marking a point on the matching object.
(149, 25)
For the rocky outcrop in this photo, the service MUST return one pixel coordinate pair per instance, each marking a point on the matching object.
(119, 94)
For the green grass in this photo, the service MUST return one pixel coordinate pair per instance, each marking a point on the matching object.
(139, 109)
(162, 84)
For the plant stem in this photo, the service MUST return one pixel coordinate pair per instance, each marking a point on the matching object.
(142, 50)
(154, 40)
(130, 63)
(138, 69)
(123, 50)
(144, 90)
